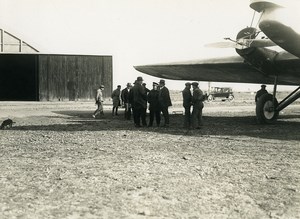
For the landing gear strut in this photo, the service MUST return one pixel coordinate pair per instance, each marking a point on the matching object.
(268, 108)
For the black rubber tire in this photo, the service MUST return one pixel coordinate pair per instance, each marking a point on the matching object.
(264, 112)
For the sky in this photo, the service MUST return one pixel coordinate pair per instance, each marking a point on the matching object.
(134, 32)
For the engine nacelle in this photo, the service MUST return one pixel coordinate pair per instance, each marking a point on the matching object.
(246, 33)
(259, 58)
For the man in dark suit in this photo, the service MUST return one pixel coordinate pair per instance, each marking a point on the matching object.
(164, 101)
(187, 102)
(139, 100)
(261, 92)
(125, 100)
(154, 105)
(146, 89)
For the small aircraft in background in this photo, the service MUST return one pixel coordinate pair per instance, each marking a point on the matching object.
(256, 62)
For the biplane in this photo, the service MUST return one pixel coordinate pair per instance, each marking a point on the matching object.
(256, 61)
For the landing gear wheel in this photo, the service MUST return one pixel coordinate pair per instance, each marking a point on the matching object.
(210, 97)
(231, 98)
(265, 109)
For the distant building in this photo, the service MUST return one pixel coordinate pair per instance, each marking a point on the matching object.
(27, 75)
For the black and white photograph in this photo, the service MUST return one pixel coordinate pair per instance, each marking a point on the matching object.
(149, 109)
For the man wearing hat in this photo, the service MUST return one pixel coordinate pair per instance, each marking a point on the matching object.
(130, 99)
(261, 92)
(146, 89)
(164, 101)
(144, 113)
(139, 102)
(197, 101)
(125, 100)
(99, 101)
(154, 105)
(116, 97)
(187, 103)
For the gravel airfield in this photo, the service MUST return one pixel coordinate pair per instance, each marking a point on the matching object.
(59, 162)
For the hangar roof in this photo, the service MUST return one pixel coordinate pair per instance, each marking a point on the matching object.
(12, 44)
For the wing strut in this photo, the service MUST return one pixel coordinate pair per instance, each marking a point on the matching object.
(289, 99)
(275, 88)
(253, 18)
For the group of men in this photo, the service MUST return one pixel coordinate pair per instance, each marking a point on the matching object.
(194, 100)
(135, 100)
(138, 96)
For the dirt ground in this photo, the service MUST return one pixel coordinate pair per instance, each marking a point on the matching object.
(59, 162)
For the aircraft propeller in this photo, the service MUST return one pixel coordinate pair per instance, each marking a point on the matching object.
(245, 39)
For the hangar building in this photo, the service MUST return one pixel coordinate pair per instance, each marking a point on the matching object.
(28, 75)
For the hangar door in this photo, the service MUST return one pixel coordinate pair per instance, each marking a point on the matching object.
(18, 77)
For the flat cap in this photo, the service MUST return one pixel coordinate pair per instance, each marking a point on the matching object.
(263, 85)
(119, 86)
(128, 85)
(187, 83)
(195, 83)
(154, 83)
(101, 86)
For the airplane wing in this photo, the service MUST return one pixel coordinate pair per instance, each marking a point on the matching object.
(228, 69)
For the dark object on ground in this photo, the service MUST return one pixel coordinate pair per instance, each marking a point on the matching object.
(6, 124)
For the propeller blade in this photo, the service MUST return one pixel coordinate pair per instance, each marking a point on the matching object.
(242, 44)
(222, 45)
(234, 45)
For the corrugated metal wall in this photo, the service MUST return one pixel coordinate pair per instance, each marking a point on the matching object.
(73, 77)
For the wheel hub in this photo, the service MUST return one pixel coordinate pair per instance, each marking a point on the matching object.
(269, 111)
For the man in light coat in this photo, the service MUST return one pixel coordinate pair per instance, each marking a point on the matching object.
(99, 102)
(197, 101)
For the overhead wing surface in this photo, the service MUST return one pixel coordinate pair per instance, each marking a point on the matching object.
(228, 69)
(288, 68)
